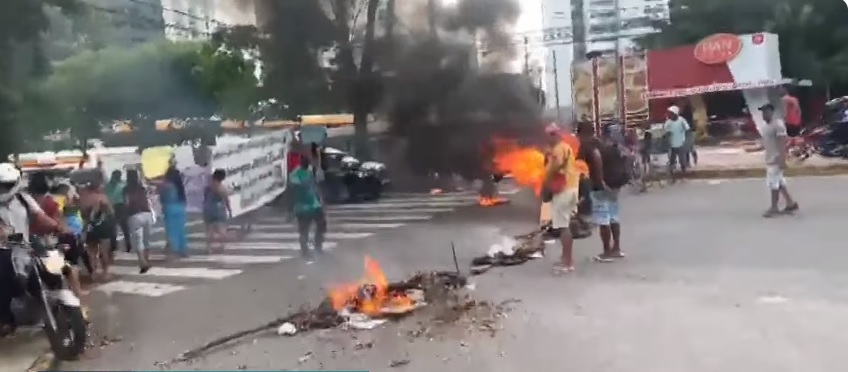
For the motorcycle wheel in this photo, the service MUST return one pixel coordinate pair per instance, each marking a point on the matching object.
(68, 340)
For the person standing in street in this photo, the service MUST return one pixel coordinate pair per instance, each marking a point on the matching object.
(791, 112)
(609, 173)
(774, 137)
(562, 182)
(115, 192)
(140, 220)
(100, 227)
(216, 211)
(675, 131)
(172, 197)
(308, 207)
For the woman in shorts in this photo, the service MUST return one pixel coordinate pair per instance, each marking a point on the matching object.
(216, 211)
(100, 226)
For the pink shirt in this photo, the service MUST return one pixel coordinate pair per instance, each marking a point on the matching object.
(791, 110)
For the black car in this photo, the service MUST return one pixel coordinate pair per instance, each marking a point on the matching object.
(347, 179)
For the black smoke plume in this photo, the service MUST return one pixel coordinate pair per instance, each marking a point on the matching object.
(447, 107)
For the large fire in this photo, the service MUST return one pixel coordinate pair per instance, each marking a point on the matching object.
(371, 296)
(527, 164)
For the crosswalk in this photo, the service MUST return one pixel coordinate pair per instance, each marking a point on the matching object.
(274, 240)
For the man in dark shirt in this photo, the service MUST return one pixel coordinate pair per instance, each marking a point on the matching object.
(607, 171)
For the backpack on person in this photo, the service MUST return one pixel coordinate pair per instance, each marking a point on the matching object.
(26, 205)
(616, 174)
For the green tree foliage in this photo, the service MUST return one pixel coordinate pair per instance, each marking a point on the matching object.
(318, 57)
(290, 38)
(142, 84)
(813, 33)
(21, 24)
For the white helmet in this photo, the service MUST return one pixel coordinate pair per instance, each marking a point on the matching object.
(10, 181)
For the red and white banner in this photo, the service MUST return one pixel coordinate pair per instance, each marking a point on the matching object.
(721, 62)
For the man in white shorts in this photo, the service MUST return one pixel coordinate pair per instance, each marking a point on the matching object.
(562, 179)
(774, 137)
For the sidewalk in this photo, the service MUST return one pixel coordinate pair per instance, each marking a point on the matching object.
(26, 351)
(736, 162)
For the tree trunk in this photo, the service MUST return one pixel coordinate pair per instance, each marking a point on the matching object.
(431, 18)
(391, 20)
(364, 81)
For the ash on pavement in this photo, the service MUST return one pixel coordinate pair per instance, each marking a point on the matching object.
(708, 285)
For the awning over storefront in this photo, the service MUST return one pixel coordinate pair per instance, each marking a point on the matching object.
(721, 62)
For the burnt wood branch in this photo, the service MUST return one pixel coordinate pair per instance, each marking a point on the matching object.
(527, 245)
(321, 317)
(430, 279)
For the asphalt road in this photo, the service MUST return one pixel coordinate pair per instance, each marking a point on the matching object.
(708, 286)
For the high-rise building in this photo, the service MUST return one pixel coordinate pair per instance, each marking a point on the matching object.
(197, 19)
(611, 23)
(188, 19)
(135, 21)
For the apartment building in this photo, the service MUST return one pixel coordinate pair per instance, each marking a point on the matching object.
(197, 19)
(608, 23)
(135, 21)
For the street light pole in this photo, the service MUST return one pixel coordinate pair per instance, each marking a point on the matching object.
(619, 82)
(556, 85)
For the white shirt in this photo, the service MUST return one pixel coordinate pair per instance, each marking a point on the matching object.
(14, 217)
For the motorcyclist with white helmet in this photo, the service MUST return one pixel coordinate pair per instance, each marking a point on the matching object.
(17, 209)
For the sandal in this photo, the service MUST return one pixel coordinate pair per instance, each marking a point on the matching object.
(619, 254)
(560, 269)
(791, 208)
(602, 259)
(771, 213)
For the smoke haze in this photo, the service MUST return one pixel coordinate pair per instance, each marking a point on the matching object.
(448, 99)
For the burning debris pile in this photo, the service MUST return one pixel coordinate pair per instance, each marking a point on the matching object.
(364, 305)
(373, 300)
(375, 297)
(511, 252)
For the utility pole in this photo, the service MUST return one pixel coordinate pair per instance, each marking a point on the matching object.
(556, 85)
(391, 19)
(619, 82)
(431, 18)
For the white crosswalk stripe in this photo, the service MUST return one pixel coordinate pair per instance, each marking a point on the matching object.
(197, 245)
(333, 227)
(273, 239)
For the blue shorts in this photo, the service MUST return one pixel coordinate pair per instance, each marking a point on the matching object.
(604, 207)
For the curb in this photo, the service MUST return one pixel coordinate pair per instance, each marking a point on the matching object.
(828, 170)
(45, 362)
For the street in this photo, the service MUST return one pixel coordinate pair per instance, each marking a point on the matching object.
(708, 285)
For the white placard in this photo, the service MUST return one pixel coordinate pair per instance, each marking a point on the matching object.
(256, 169)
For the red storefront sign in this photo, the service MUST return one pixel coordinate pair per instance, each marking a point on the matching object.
(718, 48)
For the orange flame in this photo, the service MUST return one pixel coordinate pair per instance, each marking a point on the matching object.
(527, 164)
(371, 295)
(491, 202)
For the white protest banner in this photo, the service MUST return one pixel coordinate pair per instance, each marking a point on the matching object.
(255, 169)
(195, 179)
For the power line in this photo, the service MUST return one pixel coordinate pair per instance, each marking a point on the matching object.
(134, 20)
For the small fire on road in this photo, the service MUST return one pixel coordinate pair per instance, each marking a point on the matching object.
(372, 295)
(484, 201)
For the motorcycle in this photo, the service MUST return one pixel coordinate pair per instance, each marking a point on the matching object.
(807, 142)
(41, 272)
